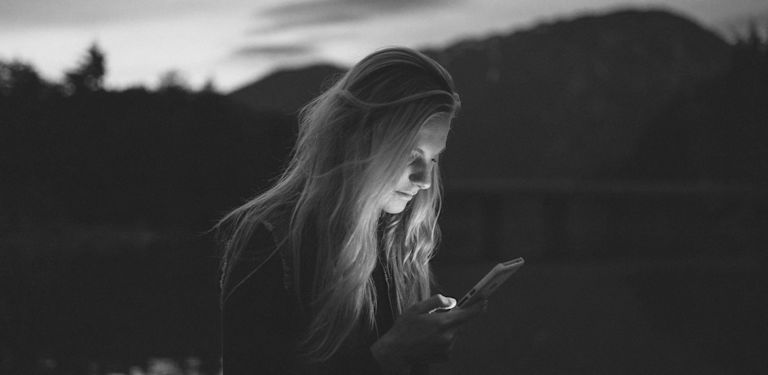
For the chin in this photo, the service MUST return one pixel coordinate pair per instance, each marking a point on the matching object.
(394, 208)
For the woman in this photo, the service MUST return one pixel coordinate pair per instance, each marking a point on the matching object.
(328, 271)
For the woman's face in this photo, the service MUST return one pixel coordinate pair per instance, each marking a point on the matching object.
(417, 175)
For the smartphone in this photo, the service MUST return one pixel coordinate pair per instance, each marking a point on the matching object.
(488, 284)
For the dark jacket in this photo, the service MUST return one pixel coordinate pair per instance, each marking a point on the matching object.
(261, 318)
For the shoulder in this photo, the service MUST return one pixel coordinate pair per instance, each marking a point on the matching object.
(259, 244)
(261, 258)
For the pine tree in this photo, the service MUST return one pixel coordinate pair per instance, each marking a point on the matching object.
(88, 77)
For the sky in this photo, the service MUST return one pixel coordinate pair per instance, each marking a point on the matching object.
(234, 42)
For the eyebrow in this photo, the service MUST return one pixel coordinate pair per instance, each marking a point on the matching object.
(437, 153)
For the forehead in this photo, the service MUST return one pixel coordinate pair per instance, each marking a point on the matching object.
(433, 134)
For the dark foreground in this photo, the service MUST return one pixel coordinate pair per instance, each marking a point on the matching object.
(123, 311)
(687, 317)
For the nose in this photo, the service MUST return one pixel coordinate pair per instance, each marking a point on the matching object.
(421, 176)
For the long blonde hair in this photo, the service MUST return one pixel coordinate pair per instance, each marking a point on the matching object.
(353, 143)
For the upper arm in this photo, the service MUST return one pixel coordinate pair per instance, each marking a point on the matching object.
(258, 320)
(261, 322)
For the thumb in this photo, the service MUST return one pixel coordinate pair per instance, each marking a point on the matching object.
(435, 302)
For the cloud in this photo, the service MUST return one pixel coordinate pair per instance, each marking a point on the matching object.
(304, 20)
(79, 13)
(274, 50)
(333, 6)
(326, 12)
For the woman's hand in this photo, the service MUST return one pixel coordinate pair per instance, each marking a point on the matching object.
(419, 335)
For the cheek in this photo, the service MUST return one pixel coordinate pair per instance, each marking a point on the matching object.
(404, 178)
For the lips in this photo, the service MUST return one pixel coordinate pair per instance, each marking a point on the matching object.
(404, 195)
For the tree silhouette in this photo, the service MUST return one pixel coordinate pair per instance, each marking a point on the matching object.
(751, 53)
(89, 75)
(172, 80)
(20, 79)
(209, 87)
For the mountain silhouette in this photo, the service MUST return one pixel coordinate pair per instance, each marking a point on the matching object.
(286, 91)
(567, 100)
(570, 99)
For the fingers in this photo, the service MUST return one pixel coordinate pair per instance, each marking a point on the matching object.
(447, 302)
(430, 337)
(437, 301)
(444, 347)
(464, 314)
(448, 307)
(451, 303)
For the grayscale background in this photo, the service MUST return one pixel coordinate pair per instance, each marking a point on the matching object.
(620, 147)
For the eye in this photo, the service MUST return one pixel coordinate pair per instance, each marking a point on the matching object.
(414, 155)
